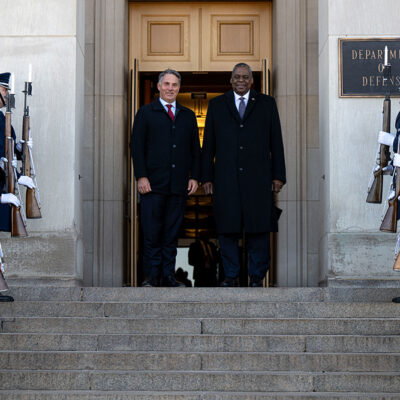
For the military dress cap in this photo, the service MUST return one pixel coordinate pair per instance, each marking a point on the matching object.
(5, 79)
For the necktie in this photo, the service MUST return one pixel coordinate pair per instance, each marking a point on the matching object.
(170, 113)
(242, 107)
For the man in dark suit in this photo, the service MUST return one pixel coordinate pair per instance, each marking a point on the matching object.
(165, 150)
(243, 165)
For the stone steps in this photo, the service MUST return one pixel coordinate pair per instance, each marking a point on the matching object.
(182, 295)
(184, 361)
(246, 309)
(221, 381)
(199, 344)
(211, 326)
(117, 395)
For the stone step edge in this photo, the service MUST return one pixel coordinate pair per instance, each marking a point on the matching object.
(13, 318)
(197, 393)
(204, 372)
(203, 335)
(219, 353)
(205, 302)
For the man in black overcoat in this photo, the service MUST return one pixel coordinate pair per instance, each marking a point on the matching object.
(243, 164)
(165, 149)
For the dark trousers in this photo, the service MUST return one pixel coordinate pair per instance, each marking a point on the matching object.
(258, 246)
(161, 217)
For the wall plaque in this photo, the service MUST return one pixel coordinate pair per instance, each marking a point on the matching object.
(361, 67)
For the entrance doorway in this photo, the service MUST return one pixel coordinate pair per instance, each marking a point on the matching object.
(202, 41)
(197, 89)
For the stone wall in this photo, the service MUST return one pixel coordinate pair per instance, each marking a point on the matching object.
(50, 35)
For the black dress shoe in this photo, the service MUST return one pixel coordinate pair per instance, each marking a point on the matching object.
(396, 300)
(149, 283)
(229, 282)
(170, 281)
(256, 281)
(4, 298)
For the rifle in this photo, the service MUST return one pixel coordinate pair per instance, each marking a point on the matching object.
(17, 223)
(32, 195)
(396, 266)
(389, 221)
(383, 155)
(3, 283)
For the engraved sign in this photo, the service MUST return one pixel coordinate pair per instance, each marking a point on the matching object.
(361, 67)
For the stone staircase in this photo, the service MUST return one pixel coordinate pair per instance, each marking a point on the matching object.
(200, 344)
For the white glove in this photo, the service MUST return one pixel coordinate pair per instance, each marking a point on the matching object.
(18, 146)
(26, 181)
(396, 160)
(30, 143)
(14, 163)
(9, 198)
(385, 138)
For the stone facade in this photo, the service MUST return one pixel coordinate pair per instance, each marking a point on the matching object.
(79, 53)
(352, 246)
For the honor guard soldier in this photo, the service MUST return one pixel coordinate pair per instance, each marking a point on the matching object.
(7, 199)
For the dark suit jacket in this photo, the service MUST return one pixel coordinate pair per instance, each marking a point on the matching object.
(166, 152)
(241, 158)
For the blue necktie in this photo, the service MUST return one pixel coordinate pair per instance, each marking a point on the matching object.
(242, 107)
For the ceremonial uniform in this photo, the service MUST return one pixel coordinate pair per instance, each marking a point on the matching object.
(5, 210)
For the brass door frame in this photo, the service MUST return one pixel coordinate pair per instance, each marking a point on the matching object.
(133, 229)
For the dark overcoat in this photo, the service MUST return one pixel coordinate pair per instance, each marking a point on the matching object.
(5, 209)
(166, 152)
(241, 158)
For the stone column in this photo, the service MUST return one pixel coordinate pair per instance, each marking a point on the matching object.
(50, 35)
(105, 152)
(295, 87)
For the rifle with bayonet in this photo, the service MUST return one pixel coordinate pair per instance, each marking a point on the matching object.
(383, 154)
(32, 202)
(17, 223)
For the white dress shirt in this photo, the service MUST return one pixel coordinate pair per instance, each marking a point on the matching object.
(164, 103)
(237, 99)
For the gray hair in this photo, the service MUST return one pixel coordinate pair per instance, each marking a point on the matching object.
(169, 71)
(239, 65)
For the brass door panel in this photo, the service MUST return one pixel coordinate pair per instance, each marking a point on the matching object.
(239, 32)
(164, 36)
(200, 36)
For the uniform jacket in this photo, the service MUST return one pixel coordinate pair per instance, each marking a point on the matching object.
(5, 209)
(241, 158)
(166, 152)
